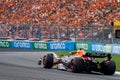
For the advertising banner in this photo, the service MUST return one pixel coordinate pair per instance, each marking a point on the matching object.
(116, 48)
(39, 45)
(61, 45)
(70, 45)
(96, 47)
(21, 44)
(83, 45)
(5, 44)
(107, 48)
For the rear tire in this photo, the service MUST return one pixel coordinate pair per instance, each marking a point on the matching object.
(108, 68)
(77, 65)
(48, 61)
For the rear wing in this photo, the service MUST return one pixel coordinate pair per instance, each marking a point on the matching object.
(97, 55)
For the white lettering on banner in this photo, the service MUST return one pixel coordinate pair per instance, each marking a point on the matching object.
(35, 45)
(57, 45)
(84, 46)
(4, 44)
(107, 49)
(116, 49)
(40, 45)
(97, 47)
(21, 44)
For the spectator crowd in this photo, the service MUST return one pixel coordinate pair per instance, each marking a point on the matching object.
(32, 18)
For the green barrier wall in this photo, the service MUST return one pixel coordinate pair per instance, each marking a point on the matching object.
(83, 45)
(5, 44)
(39, 45)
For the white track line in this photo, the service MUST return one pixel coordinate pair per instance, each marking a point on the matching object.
(117, 72)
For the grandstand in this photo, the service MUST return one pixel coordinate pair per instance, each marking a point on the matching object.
(42, 18)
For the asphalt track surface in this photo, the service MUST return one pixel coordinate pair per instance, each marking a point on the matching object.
(22, 65)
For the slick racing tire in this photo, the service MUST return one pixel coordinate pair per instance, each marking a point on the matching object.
(48, 61)
(108, 68)
(77, 65)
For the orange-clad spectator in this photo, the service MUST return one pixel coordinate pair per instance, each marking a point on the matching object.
(71, 13)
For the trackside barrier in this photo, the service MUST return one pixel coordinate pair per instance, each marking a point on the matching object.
(116, 48)
(107, 48)
(87, 46)
(5, 44)
(61, 46)
(39, 46)
(21, 44)
(83, 45)
(96, 47)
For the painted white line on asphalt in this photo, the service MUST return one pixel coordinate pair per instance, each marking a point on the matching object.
(117, 72)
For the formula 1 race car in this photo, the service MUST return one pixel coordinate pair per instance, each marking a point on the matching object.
(77, 64)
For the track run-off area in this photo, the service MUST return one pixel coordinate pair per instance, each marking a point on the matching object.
(22, 65)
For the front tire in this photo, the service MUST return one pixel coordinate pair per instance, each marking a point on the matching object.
(48, 61)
